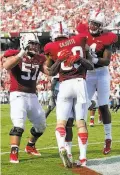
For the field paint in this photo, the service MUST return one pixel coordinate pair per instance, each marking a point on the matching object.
(105, 166)
(55, 147)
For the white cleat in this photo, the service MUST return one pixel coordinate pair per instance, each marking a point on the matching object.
(83, 162)
(65, 158)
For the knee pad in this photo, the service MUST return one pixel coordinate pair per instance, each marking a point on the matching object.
(105, 113)
(16, 131)
(34, 133)
(70, 123)
(104, 109)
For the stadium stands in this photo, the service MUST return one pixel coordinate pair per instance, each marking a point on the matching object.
(38, 15)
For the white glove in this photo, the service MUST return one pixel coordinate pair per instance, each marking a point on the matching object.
(94, 57)
(24, 41)
(95, 60)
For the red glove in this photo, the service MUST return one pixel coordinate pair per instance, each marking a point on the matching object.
(63, 55)
(72, 59)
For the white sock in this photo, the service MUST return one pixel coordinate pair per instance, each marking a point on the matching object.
(83, 148)
(14, 146)
(60, 139)
(68, 147)
(107, 130)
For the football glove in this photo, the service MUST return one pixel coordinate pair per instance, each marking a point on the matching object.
(94, 57)
(63, 55)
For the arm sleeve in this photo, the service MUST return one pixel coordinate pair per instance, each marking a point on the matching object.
(55, 68)
(87, 64)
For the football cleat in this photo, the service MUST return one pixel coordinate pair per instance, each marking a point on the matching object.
(83, 162)
(79, 163)
(32, 150)
(107, 146)
(65, 158)
(14, 158)
(70, 158)
(91, 122)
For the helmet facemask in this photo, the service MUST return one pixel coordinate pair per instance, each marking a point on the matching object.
(95, 27)
(96, 22)
(33, 48)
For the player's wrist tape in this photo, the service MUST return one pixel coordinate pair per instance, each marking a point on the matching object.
(20, 54)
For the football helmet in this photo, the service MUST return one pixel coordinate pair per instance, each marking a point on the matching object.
(30, 43)
(96, 22)
(59, 30)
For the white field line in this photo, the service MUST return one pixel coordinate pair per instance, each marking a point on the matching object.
(52, 124)
(55, 147)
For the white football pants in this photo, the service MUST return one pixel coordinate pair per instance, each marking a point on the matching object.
(99, 79)
(25, 105)
(72, 95)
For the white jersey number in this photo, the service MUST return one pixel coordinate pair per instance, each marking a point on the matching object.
(27, 68)
(92, 48)
(74, 51)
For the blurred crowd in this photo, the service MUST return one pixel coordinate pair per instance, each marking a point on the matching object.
(38, 15)
(28, 15)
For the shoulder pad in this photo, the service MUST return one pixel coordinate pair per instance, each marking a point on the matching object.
(47, 48)
(42, 58)
(10, 52)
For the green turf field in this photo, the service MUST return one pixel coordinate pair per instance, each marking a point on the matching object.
(49, 163)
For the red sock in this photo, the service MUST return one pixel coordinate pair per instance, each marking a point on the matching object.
(62, 131)
(83, 137)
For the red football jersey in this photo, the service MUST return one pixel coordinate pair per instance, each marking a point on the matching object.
(99, 43)
(24, 75)
(76, 44)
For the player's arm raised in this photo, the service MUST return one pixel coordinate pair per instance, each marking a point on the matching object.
(11, 61)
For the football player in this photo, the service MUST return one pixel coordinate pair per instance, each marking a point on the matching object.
(68, 53)
(99, 45)
(52, 104)
(24, 66)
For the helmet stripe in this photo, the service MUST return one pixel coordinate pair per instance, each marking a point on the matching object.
(97, 12)
(61, 28)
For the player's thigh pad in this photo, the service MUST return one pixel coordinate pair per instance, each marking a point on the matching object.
(18, 108)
